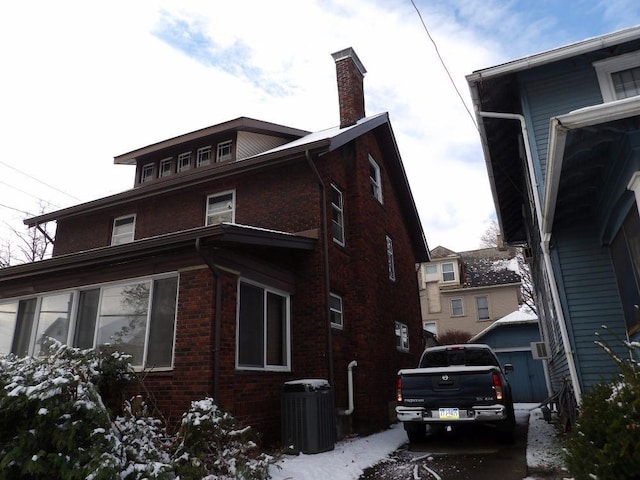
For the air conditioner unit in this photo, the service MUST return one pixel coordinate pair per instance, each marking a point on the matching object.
(540, 350)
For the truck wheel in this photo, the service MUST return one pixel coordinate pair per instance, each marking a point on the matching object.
(506, 428)
(416, 432)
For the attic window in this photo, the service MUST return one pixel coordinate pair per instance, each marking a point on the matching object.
(224, 151)
(204, 156)
(448, 272)
(147, 173)
(619, 77)
(375, 179)
(166, 167)
(184, 161)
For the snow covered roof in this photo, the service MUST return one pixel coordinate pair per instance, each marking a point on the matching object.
(514, 318)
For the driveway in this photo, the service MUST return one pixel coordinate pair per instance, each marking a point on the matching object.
(472, 452)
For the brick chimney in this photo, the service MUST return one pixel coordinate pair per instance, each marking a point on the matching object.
(350, 74)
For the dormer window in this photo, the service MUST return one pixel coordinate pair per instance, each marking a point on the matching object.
(166, 167)
(619, 77)
(123, 230)
(204, 156)
(147, 173)
(184, 161)
(448, 272)
(224, 151)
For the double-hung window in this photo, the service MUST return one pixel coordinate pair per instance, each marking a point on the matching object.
(166, 167)
(147, 173)
(223, 151)
(402, 336)
(482, 305)
(220, 208)
(203, 156)
(390, 260)
(375, 179)
(184, 161)
(448, 272)
(338, 215)
(263, 337)
(619, 76)
(457, 307)
(123, 230)
(335, 308)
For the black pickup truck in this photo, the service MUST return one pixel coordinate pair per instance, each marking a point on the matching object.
(453, 385)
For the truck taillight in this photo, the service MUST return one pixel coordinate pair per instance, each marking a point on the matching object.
(497, 386)
(399, 389)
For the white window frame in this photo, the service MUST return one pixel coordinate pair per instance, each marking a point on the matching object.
(337, 311)
(118, 237)
(431, 327)
(453, 272)
(375, 180)
(73, 313)
(210, 215)
(184, 161)
(488, 308)
(337, 210)
(461, 307)
(163, 171)
(390, 259)
(402, 337)
(287, 329)
(223, 151)
(147, 172)
(604, 69)
(203, 156)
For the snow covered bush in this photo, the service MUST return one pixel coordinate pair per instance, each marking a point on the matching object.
(213, 446)
(54, 423)
(605, 444)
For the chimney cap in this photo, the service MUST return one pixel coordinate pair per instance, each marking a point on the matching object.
(349, 53)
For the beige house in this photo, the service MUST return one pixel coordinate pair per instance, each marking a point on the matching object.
(467, 291)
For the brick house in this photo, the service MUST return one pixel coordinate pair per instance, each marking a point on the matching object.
(246, 255)
(468, 291)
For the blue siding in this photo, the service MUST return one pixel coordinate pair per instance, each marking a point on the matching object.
(590, 299)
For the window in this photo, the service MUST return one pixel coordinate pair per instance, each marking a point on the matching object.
(263, 328)
(335, 307)
(338, 217)
(619, 76)
(390, 260)
(123, 230)
(457, 307)
(166, 167)
(224, 151)
(184, 161)
(482, 304)
(203, 157)
(448, 272)
(430, 327)
(431, 269)
(402, 337)
(137, 318)
(374, 178)
(220, 208)
(147, 173)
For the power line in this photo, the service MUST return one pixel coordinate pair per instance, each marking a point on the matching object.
(445, 66)
(38, 180)
(30, 194)
(15, 209)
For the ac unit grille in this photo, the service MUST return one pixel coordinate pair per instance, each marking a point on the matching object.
(539, 350)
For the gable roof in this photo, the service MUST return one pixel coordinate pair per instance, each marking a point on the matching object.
(514, 318)
(317, 143)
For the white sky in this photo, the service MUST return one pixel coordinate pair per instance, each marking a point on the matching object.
(82, 82)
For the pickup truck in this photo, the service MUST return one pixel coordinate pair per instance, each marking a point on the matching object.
(454, 385)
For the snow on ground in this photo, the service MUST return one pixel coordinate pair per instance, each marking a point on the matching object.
(350, 457)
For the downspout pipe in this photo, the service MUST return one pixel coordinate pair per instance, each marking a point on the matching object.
(545, 246)
(349, 411)
(327, 283)
(217, 275)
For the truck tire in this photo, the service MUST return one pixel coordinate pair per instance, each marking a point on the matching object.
(505, 429)
(416, 432)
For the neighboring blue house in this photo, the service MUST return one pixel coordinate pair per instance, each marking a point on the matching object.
(512, 338)
(561, 138)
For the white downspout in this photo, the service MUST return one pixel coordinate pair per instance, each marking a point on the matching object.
(544, 243)
(349, 411)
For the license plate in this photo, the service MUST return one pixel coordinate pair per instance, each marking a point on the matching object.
(449, 413)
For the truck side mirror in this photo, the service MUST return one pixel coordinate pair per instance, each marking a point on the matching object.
(508, 368)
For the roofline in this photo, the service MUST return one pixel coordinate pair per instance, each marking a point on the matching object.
(226, 233)
(240, 123)
(561, 53)
(559, 128)
(480, 287)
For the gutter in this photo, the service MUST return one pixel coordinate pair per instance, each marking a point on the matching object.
(545, 237)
